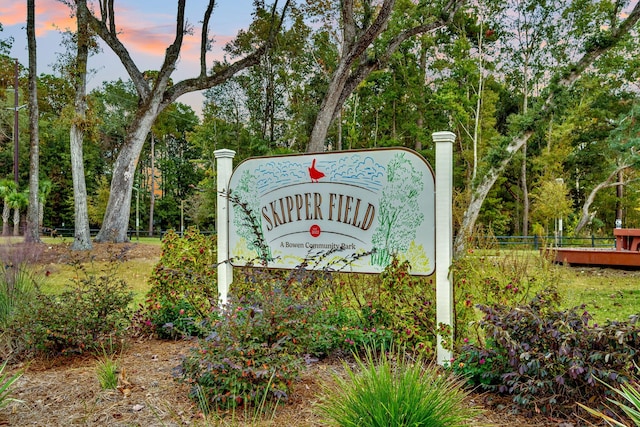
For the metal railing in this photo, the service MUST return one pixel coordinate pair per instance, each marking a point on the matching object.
(536, 242)
(69, 232)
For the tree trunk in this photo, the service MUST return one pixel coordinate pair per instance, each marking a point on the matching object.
(82, 234)
(116, 219)
(586, 215)
(619, 196)
(525, 192)
(16, 221)
(32, 231)
(6, 213)
(480, 194)
(152, 193)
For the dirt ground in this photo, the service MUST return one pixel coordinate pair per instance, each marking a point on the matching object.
(66, 391)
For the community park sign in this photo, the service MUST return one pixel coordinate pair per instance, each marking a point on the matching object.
(349, 211)
(342, 211)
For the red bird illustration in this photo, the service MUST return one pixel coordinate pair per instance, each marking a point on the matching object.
(314, 173)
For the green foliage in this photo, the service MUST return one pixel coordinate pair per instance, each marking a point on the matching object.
(107, 371)
(555, 357)
(550, 202)
(97, 203)
(480, 366)
(93, 311)
(183, 288)
(335, 327)
(18, 286)
(179, 319)
(394, 390)
(249, 354)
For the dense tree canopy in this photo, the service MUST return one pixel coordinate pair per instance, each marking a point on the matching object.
(541, 95)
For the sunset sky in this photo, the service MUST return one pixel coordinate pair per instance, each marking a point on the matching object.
(147, 28)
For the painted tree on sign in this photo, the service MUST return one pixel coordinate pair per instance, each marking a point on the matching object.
(246, 208)
(399, 215)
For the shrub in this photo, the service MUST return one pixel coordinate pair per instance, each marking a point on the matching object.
(92, 312)
(336, 327)
(397, 302)
(481, 366)
(250, 355)
(394, 390)
(183, 287)
(174, 319)
(555, 357)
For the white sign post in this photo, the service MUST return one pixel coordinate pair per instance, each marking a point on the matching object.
(444, 239)
(224, 169)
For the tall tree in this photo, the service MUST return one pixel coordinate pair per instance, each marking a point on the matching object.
(622, 151)
(358, 58)
(156, 94)
(534, 24)
(32, 232)
(82, 234)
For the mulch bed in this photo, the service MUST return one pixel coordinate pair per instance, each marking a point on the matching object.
(66, 391)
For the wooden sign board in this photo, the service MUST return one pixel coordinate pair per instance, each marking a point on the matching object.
(346, 211)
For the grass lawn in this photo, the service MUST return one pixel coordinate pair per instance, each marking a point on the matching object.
(609, 294)
(135, 271)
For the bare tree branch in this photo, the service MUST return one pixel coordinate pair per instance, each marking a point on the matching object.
(586, 215)
(204, 42)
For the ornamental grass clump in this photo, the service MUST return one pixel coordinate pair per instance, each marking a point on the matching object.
(392, 389)
(107, 371)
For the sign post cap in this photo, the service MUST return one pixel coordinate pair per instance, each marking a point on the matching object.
(224, 153)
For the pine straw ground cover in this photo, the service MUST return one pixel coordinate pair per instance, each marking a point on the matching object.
(66, 391)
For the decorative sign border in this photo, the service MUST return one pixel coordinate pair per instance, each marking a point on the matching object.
(345, 211)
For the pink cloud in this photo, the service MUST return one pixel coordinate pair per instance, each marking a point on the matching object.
(51, 15)
(146, 29)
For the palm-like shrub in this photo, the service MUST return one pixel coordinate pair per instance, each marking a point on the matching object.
(627, 399)
(6, 381)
